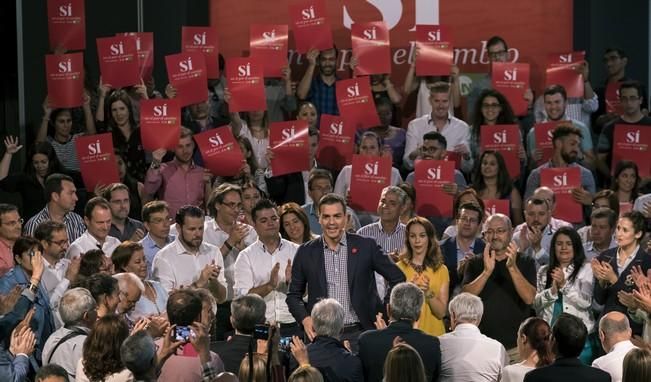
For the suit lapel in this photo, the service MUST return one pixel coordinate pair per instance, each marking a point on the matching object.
(320, 262)
(351, 261)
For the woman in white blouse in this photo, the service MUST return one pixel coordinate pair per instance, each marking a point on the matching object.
(565, 285)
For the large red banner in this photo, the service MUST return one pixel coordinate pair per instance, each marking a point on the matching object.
(371, 47)
(220, 151)
(66, 23)
(471, 22)
(336, 142)
(96, 160)
(160, 123)
(368, 177)
(65, 79)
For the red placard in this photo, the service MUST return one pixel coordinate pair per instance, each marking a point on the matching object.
(65, 80)
(97, 162)
(512, 80)
(371, 47)
(507, 140)
(543, 132)
(336, 142)
(289, 142)
(160, 123)
(429, 178)
(187, 73)
(562, 180)
(497, 206)
(368, 177)
(66, 24)
(435, 53)
(565, 69)
(632, 142)
(356, 103)
(118, 61)
(246, 84)
(268, 43)
(202, 40)
(145, 49)
(613, 105)
(220, 151)
(310, 25)
(455, 157)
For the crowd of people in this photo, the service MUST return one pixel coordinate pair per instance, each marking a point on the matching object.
(174, 274)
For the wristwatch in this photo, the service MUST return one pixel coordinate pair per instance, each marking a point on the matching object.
(33, 288)
(155, 164)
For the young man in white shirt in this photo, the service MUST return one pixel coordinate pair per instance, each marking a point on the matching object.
(188, 260)
(265, 267)
(97, 216)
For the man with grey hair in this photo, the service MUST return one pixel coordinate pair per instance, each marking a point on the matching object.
(388, 232)
(131, 287)
(327, 352)
(615, 335)
(467, 354)
(78, 311)
(505, 280)
(404, 310)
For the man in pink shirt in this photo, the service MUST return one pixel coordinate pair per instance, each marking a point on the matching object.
(179, 181)
(11, 225)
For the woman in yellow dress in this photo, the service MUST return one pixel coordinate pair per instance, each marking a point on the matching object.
(422, 263)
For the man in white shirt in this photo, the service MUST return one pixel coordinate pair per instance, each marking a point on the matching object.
(230, 236)
(97, 216)
(265, 267)
(188, 260)
(615, 335)
(466, 354)
(455, 131)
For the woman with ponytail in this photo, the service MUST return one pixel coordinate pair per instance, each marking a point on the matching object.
(535, 349)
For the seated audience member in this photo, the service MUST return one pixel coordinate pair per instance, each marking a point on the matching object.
(568, 338)
(637, 365)
(28, 273)
(52, 373)
(404, 364)
(404, 311)
(101, 354)
(625, 184)
(157, 220)
(122, 226)
(265, 267)
(135, 188)
(422, 263)
(565, 285)
(184, 308)
(246, 312)
(434, 147)
(327, 352)
(131, 289)
(615, 335)
(105, 291)
(467, 196)
(97, 216)
(130, 257)
(465, 245)
(10, 229)
(602, 233)
(253, 368)
(491, 180)
(78, 311)
(394, 138)
(62, 198)
(505, 280)
(251, 195)
(547, 194)
(466, 353)
(180, 181)
(294, 224)
(534, 337)
(612, 268)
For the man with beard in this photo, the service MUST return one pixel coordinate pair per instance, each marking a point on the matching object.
(505, 280)
(188, 261)
(320, 89)
(180, 181)
(122, 226)
(566, 140)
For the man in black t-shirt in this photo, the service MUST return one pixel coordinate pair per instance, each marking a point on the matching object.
(505, 280)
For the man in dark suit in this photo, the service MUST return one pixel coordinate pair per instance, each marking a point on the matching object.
(463, 247)
(246, 312)
(339, 265)
(404, 309)
(568, 338)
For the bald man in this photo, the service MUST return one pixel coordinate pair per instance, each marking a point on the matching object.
(615, 335)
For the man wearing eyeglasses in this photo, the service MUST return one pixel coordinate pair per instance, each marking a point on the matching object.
(505, 280)
(11, 225)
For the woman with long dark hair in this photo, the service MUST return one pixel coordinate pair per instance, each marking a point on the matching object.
(625, 182)
(534, 348)
(403, 364)
(492, 181)
(294, 224)
(100, 360)
(566, 283)
(422, 263)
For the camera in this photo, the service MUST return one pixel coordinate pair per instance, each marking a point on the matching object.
(183, 333)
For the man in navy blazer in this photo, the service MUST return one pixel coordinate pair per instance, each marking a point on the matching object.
(339, 265)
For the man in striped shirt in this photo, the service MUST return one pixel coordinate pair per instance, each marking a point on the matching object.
(62, 195)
